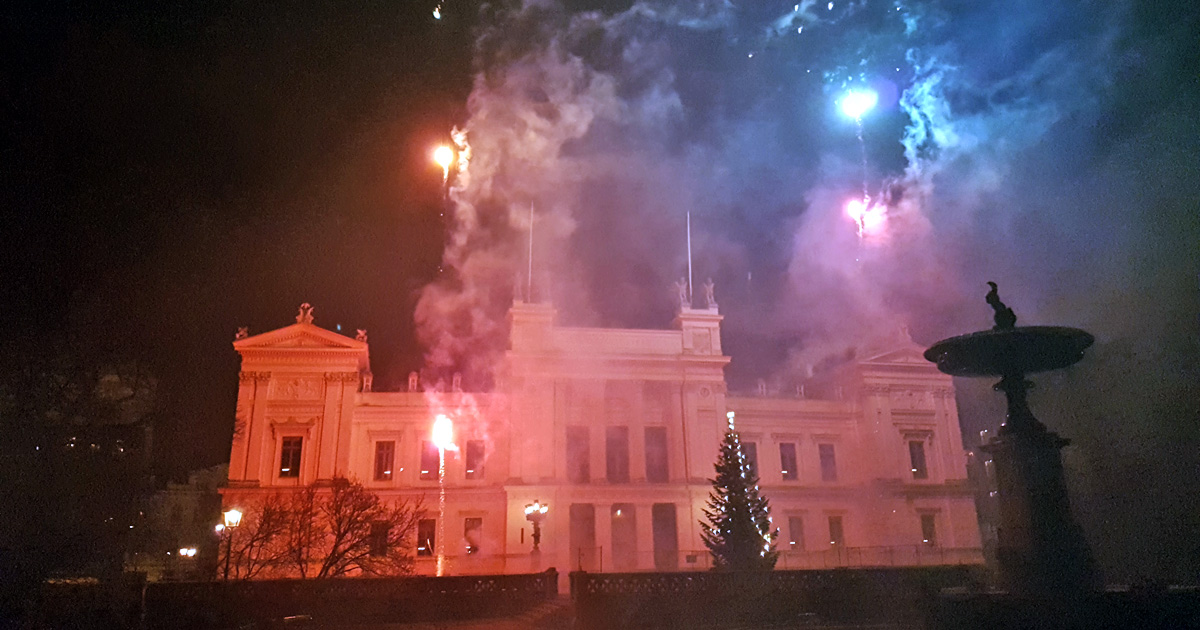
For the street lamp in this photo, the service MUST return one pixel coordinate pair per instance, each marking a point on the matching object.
(233, 518)
(536, 513)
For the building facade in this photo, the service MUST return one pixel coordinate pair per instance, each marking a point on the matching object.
(616, 431)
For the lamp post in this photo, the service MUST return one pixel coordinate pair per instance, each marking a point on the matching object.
(233, 518)
(536, 513)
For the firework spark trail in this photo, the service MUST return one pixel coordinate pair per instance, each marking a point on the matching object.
(592, 115)
(862, 146)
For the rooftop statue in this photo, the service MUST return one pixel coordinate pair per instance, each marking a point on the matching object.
(1006, 319)
(305, 316)
(682, 288)
(710, 299)
(362, 335)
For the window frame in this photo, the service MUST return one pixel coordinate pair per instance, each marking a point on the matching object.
(469, 450)
(929, 537)
(838, 540)
(384, 475)
(793, 471)
(829, 475)
(431, 549)
(750, 452)
(616, 460)
(660, 471)
(430, 474)
(578, 465)
(919, 472)
(793, 538)
(478, 546)
(294, 469)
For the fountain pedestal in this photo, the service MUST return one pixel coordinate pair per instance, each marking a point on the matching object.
(1040, 549)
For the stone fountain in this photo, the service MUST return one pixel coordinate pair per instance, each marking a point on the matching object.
(1040, 548)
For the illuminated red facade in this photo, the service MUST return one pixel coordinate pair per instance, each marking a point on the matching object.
(617, 431)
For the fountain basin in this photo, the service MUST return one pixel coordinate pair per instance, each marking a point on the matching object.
(1013, 351)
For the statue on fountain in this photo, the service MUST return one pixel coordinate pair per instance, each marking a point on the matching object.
(1006, 319)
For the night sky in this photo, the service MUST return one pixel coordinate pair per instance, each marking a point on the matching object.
(174, 171)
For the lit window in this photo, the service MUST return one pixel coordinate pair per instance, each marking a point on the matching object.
(385, 456)
(916, 457)
(474, 459)
(429, 460)
(787, 462)
(426, 536)
(289, 456)
(473, 533)
(929, 529)
(836, 534)
(796, 533)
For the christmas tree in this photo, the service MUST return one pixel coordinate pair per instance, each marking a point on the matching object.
(738, 532)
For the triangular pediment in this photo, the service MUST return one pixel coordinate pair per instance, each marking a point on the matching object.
(908, 355)
(300, 336)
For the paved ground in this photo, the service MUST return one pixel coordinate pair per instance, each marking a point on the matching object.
(554, 615)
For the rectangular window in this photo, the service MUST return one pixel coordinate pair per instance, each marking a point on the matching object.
(624, 536)
(750, 451)
(796, 533)
(585, 556)
(666, 536)
(379, 539)
(828, 463)
(656, 454)
(474, 459)
(616, 454)
(787, 462)
(473, 533)
(289, 456)
(928, 529)
(579, 456)
(385, 456)
(916, 456)
(426, 536)
(429, 460)
(836, 535)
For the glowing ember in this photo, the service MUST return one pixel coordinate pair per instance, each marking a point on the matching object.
(444, 157)
(443, 433)
(869, 218)
(858, 102)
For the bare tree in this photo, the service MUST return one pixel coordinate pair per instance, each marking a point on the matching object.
(256, 545)
(323, 532)
(362, 534)
(304, 531)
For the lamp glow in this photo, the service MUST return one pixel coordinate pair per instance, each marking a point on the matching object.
(233, 518)
(858, 102)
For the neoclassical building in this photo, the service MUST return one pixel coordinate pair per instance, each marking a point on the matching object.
(616, 431)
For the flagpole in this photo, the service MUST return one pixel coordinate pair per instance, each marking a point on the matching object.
(529, 275)
(689, 253)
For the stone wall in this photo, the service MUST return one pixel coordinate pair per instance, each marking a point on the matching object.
(715, 600)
